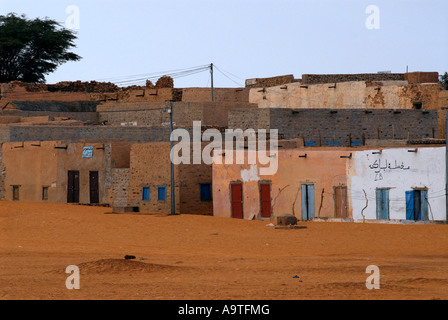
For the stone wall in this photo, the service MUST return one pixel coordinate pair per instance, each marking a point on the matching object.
(119, 192)
(323, 126)
(334, 78)
(21, 133)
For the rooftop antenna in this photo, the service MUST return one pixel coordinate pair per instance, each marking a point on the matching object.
(211, 74)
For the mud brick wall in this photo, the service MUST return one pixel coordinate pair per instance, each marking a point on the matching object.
(150, 167)
(219, 94)
(421, 77)
(333, 78)
(190, 178)
(65, 133)
(81, 116)
(325, 126)
(250, 119)
(2, 176)
(155, 114)
(269, 82)
(119, 191)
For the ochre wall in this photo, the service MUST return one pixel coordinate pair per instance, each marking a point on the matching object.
(33, 165)
(323, 167)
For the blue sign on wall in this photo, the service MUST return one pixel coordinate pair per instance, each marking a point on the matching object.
(87, 152)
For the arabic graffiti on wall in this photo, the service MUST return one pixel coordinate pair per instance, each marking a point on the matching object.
(382, 167)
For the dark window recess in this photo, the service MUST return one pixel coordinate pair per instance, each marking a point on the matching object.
(145, 194)
(417, 105)
(206, 191)
(44, 193)
(161, 193)
(15, 193)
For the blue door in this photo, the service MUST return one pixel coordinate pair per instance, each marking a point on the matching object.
(307, 201)
(417, 205)
(410, 205)
(382, 204)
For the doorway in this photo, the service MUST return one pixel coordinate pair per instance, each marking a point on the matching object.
(94, 187)
(236, 195)
(340, 200)
(307, 201)
(265, 200)
(417, 204)
(73, 186)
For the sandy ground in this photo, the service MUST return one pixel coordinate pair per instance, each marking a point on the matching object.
(203, 257)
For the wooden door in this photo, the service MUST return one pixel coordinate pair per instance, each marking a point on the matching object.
(236, 190)
(73, 186)
(94, 187)
(341, 207)
(265, 200)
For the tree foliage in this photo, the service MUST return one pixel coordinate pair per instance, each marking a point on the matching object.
(31, 49)
(444, 80)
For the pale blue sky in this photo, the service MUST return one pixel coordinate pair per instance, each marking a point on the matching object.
(118, 39)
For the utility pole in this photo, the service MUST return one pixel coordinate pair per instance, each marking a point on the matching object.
(211, 74)
(173, 202)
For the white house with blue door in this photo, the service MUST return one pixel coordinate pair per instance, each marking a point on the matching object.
(406, 183)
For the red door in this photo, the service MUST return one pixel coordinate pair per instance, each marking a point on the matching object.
(236, 190)
(265, 198)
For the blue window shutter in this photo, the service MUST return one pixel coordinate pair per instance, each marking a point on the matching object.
(206, 191)
(410, 205)
(161, 193)
(424, 209)
(145, 195)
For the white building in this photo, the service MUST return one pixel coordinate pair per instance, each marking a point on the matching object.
(400, 183)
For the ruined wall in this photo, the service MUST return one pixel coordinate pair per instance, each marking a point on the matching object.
(325, 127)
(355, 94)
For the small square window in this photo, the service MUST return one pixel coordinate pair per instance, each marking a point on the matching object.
(15, 193)
(44, 193)
(145, 194)
(206, 191)
(161, 193)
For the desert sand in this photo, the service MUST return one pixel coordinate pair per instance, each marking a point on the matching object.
(205, 257)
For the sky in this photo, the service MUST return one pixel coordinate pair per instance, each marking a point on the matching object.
(121, 41)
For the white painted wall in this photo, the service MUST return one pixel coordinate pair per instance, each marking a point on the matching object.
(424, 168)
